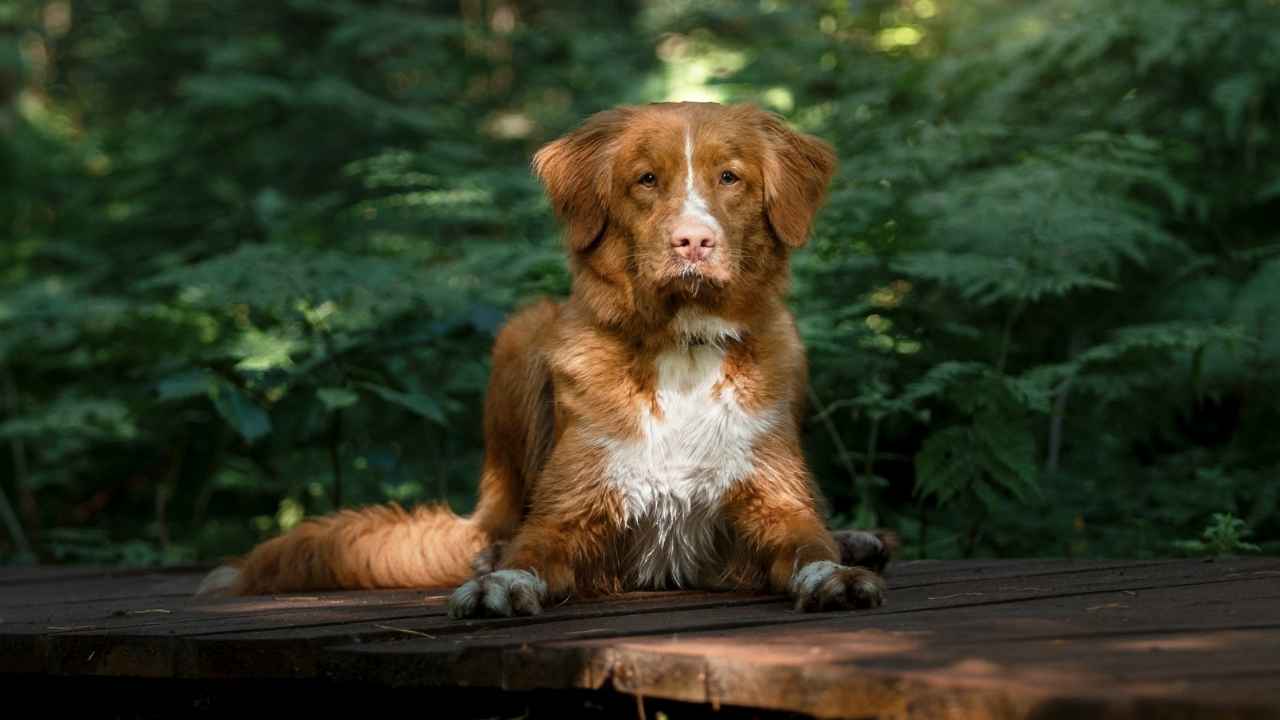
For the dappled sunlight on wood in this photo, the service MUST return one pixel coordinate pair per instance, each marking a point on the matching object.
(792, 645)
(335, 601)
(1219, 642)
(1012, 639)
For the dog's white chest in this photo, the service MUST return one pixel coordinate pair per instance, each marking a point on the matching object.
(672, 480)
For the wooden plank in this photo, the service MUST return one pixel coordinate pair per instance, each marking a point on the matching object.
(135, 630)
(104, 598)
(25, 633)
(745, 611)
(1141, 655)
(38, 604)
(273, 642)
(16, 575)
(258, 653)
(915, 595)
(176, 610)
(147, 646)
(873, 668)
(909, 572)
(612, 643)
(987, 681)
(734, 671)
(74, 585)
(1164, 610)
(49, 592)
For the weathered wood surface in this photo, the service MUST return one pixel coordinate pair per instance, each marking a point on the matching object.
(1001, 639)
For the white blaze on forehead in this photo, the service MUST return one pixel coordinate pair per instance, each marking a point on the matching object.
(694, 204)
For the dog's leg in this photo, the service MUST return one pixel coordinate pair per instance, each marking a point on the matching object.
(559, 551)
(540, 563)
(803, 558)
(775, 516)
(517, 583)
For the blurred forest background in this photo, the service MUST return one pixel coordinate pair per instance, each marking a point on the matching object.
(253, 254)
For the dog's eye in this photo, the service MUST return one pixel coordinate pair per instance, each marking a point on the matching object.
(728, 178)
(648, 179)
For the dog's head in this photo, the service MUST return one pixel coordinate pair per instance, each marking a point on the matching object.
(678, 203)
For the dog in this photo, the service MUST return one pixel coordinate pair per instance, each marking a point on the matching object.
(645, 432)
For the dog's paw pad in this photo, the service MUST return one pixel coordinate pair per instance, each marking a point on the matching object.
(502, 593)
(824, 585)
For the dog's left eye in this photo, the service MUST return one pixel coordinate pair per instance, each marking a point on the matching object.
(728, 178)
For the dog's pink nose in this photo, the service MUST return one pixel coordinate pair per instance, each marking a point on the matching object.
(693, 240)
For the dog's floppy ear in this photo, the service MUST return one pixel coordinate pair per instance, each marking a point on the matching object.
(575, 170)
(797, 170)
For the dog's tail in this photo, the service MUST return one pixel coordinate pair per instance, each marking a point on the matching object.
(382, 546)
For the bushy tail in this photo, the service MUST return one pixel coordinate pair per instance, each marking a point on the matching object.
(383, 546)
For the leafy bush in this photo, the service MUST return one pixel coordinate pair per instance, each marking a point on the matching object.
(258, 252)
(1043, 282)
(1224, 535)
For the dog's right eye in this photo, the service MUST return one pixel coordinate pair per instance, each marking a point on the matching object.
(648, 180)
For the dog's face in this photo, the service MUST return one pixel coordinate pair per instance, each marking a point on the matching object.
(685, 200)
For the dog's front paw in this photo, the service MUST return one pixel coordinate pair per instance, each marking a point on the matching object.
(502, 593)
(824, 585)
(866, 548)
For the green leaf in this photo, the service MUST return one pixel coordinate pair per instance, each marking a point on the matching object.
(1270, 190)
(947, 465)
(416, 403)
(1011, 448)
(71, 416)
(249, 420)
(260, 351)
(185, 385)
(337, 398)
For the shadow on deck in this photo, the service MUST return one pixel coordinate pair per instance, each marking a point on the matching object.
(972, 639)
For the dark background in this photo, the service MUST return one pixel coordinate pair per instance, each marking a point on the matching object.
(252, 256)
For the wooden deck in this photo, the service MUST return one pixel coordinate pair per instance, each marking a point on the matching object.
(1001, 639)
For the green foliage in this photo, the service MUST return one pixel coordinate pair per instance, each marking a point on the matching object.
(1041, 295)
(1224, 535)
(255, 253)
(993, 450)
(259, 251)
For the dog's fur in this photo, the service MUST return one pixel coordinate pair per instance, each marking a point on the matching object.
(645, 433)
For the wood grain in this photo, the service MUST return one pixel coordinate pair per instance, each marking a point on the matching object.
(974, 639)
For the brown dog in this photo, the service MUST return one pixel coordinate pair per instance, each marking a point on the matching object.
(645, 432)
